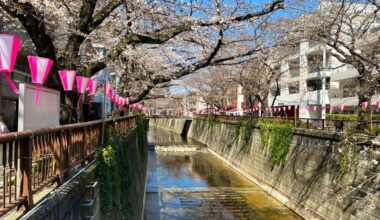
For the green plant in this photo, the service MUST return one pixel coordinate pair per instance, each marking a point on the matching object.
(375, 130)
(265, 134)
(278, 137)
(281, 139)
(212, 121)
(246, 129)
(354, 117)
(198, 123)
(113, 168)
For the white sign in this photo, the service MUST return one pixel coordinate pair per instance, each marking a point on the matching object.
(41, 115)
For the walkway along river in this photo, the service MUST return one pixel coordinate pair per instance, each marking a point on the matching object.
(185, 181)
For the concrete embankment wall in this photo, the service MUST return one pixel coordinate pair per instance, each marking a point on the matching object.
(306, 180)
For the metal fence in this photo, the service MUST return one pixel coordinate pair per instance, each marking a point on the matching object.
(310, 123)
(29, 160)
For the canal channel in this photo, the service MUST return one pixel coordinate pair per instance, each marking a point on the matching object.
(186, 181)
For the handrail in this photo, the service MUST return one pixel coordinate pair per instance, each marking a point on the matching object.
(23, 134)
(34, 158)
(310, 123)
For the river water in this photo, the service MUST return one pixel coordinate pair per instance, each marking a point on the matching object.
(185, 181)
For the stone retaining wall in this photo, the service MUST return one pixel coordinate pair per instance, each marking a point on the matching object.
(303, 183)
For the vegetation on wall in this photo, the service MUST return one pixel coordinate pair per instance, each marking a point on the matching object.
(113, 168)
(245, 128)
(277, 137)
(349, 116)
(212, 121)
(198, 123)
(281, 137)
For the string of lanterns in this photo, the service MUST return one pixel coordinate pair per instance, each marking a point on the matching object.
(40, 68)
(331, 109)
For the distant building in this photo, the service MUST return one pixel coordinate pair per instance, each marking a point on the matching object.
(313, 77)
(103, 76)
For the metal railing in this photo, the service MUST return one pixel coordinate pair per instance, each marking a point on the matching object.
(32, 159)
(309, 123)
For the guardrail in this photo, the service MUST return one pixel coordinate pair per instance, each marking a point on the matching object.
(32, 159)
(310, 123)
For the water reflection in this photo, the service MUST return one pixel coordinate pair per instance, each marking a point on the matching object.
(162, 137)
(198, 185)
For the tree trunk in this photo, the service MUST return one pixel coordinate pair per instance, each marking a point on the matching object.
(365, 92)
(364, 115)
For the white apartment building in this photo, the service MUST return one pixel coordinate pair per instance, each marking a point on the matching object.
(313, 77)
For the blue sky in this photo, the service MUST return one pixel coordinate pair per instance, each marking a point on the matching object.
(291, 11)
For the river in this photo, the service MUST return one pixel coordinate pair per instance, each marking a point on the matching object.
(185, 181)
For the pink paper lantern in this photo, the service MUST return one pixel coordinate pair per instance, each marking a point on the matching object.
(67, 79)
(315, 108)
(110, 93)
(107, 88)
(284, 108)
(289, 107)
(82, 83)
(378, 104)
(307, 107)
(365, 105)
(127, 101)
(92, 86)
(9, 48)
(40, 69)
(116, 99)
(113, 97)
(331, 109)
(342, 107)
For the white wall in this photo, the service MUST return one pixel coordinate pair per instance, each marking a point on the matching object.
(41, 115)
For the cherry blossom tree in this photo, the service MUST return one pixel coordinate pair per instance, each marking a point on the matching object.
(350, 30)
(167, 39)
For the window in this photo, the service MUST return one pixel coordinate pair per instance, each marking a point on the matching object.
(294, 88)
(348, 88)
(294, 68)
(316, 84)
(315, 63)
